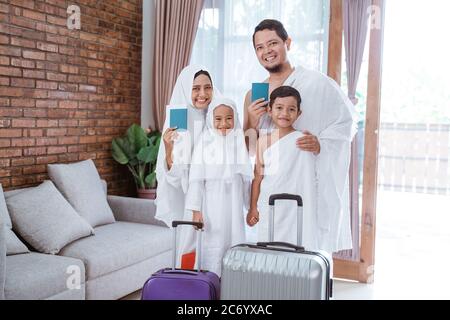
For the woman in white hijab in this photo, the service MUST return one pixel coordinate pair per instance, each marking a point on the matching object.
(219, 185)
(195, 89)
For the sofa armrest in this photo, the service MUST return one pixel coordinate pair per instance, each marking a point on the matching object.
(134, 210)
(2, 260)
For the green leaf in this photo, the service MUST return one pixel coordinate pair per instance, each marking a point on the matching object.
(150, 180)
(118, 152)
(148, 154)
(137, 138)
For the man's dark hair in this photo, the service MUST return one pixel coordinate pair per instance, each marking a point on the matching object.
(285, 91)
(206, 73)
(273, 25)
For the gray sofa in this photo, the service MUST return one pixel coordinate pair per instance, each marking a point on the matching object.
(110, 264)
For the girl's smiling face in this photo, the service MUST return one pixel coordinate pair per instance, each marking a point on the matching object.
(223, 119)
(202, 92)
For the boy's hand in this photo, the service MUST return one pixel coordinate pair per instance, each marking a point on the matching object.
(252, 217)
(309, 142)
(197, 217)
(255, 111)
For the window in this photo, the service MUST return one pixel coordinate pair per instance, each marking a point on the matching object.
(224, 39)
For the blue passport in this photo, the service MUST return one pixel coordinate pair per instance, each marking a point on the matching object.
(178, 117)
(260, 90)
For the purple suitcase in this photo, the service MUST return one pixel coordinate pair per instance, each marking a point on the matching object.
(179, 284)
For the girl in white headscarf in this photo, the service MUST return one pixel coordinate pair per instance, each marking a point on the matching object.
(219, 185)
(195, 89)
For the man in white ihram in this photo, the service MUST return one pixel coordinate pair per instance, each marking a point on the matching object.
(328, 125)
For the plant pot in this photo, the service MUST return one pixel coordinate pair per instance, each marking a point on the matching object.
(146, 193)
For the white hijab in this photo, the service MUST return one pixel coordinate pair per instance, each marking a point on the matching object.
(173, 184)
(218, 157)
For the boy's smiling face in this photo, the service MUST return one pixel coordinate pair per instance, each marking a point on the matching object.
(223, 119)
(284, 111)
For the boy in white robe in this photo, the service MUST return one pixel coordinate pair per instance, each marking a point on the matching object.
(219, 184)
(280, 168)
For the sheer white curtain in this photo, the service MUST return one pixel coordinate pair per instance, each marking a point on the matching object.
(224, 39)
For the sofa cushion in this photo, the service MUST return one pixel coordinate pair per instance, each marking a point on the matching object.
(4, 215)
(118, 245)
(44, 219)
(81, 185)
(13, 244)
(39, 276)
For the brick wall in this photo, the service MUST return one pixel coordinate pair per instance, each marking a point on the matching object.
(64, 94)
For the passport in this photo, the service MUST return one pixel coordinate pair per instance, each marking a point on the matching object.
(260, 90)
(178, 117)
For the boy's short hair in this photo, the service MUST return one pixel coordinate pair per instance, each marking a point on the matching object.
(285, 91)
(273, 25)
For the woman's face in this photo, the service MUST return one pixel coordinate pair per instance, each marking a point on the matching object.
(223, 119)
(202, 92)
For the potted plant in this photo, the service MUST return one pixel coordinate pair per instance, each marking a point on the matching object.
(138, 150)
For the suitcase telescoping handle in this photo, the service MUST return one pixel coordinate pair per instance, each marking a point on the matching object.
(286, 196)
(198, 253)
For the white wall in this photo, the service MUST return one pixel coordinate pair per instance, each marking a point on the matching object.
(148, 36)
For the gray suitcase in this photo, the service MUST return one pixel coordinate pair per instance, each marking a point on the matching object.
(276, 270)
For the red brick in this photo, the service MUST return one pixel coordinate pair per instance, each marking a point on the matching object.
(9, 112)
(16, 62)
(56, 39)
(77, 148)
(22, 162)
(33, 15)
(57, 113)
(77, 79)
(56, 132)
(36, 55)
(35, 93)
(9, 153)
(49, 66)
(4, 123)
(35, 133)
(35, 113)
(68, 104)
(23, 22)
(5, 163)
(35, 169)
(46, 104)
(56, 76)
(46, 28)
(68, 123)
(10, 133)
(4, 60)
(46, 159)
(4, 143)
(46, 85)
(4, 39)
(46, 123)
(57, 21)
(68, 87)
(9, 71)
(11, 92)
(21, 42)
(36, 151)
(66, 50)
(23, 181)
(23, 123)
(88, 139)
(68, 140)
(22, 142)
(4, 102)
(4, 81)
(4, 8)
(69, 69)
(28, 103)
(24, 83)
(56, 150)
(10, 51)
(95, 64)
(23, 3)
(47, 47)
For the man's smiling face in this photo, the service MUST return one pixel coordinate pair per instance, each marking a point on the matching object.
(271, 50)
